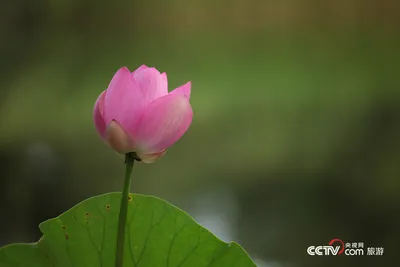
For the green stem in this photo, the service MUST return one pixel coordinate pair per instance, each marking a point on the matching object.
(123, 211)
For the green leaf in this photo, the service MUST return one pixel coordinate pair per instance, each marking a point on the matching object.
(158, 234)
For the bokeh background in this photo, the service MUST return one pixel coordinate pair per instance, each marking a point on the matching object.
(296, 134)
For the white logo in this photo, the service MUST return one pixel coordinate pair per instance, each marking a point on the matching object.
(337, 247)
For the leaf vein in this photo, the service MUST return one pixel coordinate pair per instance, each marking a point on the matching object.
(149, 232)
(190, 253)
(176, 234)
(129, 235)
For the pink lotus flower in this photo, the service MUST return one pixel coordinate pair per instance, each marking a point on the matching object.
(137, 114)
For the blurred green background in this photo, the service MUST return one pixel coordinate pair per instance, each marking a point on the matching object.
(295, 138)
